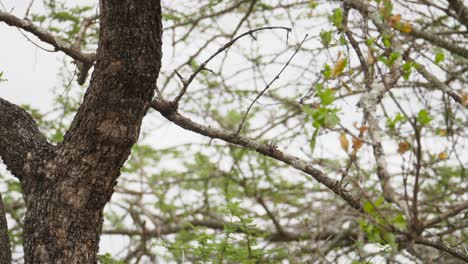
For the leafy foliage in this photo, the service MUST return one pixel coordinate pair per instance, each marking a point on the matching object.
(187, 199)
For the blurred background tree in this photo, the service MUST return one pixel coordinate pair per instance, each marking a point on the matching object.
(324, 132)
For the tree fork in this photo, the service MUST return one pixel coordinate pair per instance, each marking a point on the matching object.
(67, 186)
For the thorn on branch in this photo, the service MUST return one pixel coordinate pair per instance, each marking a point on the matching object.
(209, 70)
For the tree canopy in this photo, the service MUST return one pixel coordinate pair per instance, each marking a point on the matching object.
(280, 131)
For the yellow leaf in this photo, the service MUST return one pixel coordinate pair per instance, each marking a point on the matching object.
(464, 97)
(344, 142)
(405, 27)
(339, 67)
(357, 143)
(443, 155)
(442, 132)
(403, 147)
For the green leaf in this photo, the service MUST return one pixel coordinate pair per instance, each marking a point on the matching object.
(1, 77)
(393, 57)
(370, 41)
(313, 141)
(374, 236)
(383, 60)
(387, 9)
(391, 123)
(337, 18)
(368, 207)
(327, 97)
(308, 110)
(343, 40)
(424, 118)
(325, 38)
(407, 67)
(389, 238)
(38, 18)
(108, 259)
(439, 57)
(65, 16)
(387, 41)
(327, 71)
(313, 4)
(400, 222)
(265, 6)
(379, 201)
(331, 120)
(323, 116)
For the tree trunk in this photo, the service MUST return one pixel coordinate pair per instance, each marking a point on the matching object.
(67, 186)
(5, 250)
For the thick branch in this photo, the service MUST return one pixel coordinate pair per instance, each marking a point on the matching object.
(444, 216)
(372, 98)
(19, 137)
(431, 37)
(438, 84)
(460, 10)
(442, 246)
(164, 107)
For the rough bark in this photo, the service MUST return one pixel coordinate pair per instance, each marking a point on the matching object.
(19, 136)
(67, 186)
(5, 250)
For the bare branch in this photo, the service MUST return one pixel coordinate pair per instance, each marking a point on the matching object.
(460, 10)
(442, 246)
(87, 59)
(170, 113)
(431, 37)
(444, 216)
(241, 125)
(438, 84)
(202, 66)
(28, 8)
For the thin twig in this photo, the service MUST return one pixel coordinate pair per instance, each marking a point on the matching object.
(28, 9)
(223, 48)
(46, 37)
(416, 224)
(241, 125)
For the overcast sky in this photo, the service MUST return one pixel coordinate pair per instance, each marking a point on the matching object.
(31, 72)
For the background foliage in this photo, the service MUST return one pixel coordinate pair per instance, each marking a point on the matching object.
(375, 97)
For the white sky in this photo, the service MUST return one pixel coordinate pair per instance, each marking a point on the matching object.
(30, 71)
